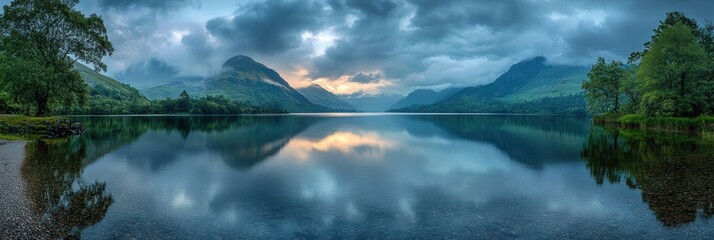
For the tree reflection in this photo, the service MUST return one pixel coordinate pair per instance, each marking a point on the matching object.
(674, 173)
(62, 200)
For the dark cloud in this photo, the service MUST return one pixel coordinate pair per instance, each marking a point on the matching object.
(411, 43)
(160, 5)
(268, 27)
(149, 73)
(366, 77)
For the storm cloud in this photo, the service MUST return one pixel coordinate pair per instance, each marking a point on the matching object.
(381, 46)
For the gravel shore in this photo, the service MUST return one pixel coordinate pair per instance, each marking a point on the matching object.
(16, 218)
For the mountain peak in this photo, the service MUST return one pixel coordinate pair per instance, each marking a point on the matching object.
(242, 62)
(529, 63)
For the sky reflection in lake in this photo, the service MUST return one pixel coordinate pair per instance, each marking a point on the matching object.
(359, 176)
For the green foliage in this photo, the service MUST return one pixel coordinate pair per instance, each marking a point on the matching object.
(673, 76)
(672, 72)
(631, 93)
(40, 40)
(604, 85)
(701, 124)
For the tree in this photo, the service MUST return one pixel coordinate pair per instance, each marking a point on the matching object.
(183, 103)
(40, 38)
(673, 72)
(671, 19)
(602, 89)
(629, 89)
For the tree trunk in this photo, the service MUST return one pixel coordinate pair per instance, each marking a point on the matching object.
(682, 78)
(42, 107)
(617, 104)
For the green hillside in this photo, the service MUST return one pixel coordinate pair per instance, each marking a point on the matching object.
(530, 80)
(246, 80)
(96, 80)
(531, 86)
(106, 95)
(318, 95)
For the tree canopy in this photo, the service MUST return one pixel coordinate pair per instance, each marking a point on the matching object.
(603, 86)
(672, 76)
(41, 40)
(672, 72)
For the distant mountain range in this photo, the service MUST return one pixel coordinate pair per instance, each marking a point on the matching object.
(531, 86)
(372, 103)
(317, 94)
(422, 97)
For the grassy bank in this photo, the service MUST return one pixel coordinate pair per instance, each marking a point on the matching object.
(14, 127)
(703, 125)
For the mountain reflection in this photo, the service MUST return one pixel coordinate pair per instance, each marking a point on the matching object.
(674, 173)
(241, 141)
(61, 199)
(540, 139)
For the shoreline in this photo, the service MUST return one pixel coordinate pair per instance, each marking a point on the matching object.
(703, 125)
(16, 218)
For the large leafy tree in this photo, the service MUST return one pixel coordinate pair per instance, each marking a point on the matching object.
(603, 86)
(42, 40)
(672, 73)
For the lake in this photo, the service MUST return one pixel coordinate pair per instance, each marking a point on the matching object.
(369, 176)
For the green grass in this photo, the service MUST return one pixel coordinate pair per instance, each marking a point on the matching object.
(18, 127)
(703, 124)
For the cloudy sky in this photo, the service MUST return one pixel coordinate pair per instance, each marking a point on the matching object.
(379, 46)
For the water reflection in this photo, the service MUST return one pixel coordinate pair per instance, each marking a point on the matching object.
(674, 172)
(540, 140)
(64, 202)
(241, 141)
(380, 177)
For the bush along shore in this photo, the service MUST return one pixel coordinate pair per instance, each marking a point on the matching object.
(700, 125)
(16, 126)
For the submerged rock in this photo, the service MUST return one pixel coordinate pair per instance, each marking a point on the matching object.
(64, 128)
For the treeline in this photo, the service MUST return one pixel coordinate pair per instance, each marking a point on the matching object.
(673, 76)
(566, 105)
(209, 105)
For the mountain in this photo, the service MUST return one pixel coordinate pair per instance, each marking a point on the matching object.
(531, 86)
(246, 80)
(193, 87)
(318, 95)
(424, 97)
(103, 85)
(531, 80)
(242, 79)
(372, 103)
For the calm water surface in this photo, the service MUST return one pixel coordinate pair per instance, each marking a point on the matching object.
(378, 176)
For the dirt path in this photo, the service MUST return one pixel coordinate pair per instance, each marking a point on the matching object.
(16, 218)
